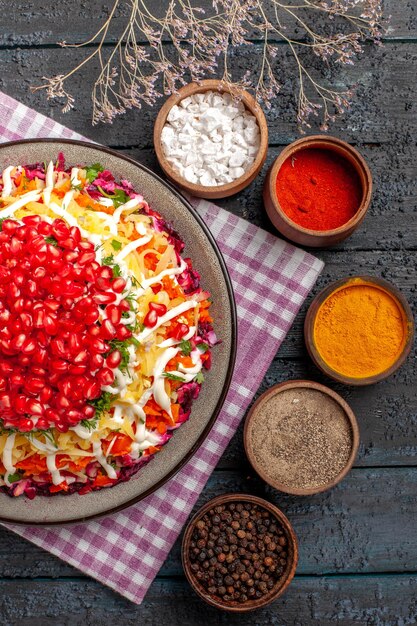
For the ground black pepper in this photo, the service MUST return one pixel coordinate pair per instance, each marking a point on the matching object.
(250, 549)
(301, 438)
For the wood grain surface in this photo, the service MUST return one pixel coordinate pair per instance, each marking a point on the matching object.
(358, 546)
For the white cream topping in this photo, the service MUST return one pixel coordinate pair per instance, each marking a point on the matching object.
(57, 478)
(7, 182)
(98, 453)
(168, 343)
(75, 181)
(130, 204)
(130, 247)
(30, 196)
(7, 454)
(169, 315)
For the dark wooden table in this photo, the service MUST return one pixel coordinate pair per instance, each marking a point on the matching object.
(358, 542)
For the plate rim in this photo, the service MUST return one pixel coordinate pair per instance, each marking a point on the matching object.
(234, 334)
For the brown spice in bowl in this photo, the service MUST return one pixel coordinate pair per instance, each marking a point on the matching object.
(238, 552)
(301, 438)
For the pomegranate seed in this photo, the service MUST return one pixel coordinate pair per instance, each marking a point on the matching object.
(62, 426)
(81, 358)
(45, 229)
(45, 394)
(62, 401)
(122, 332)
(25, 425)
(86, 257)
(18, 341)
(6, 368)
(114, 359)
(98, 345)
(29, 346)
(107, 330)
(118, 285)
(75, 370)
(97, 361)
(34, 385)
(88, 411)
(35, 408)
(103, 283)
(105, 272)
(50, 325)
(180, 331)
(60, 230)
(151, 319)
(91, 390)
(124, 306)
(104, 297)
(59, 365)
(3, 384)
(113, 313)
(160, 309)
(9, 226)
(42, 423)
(69, 244)
(105, 376)
(75, 233)
(91, 316)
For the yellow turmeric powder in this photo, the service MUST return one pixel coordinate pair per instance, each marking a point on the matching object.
(360, 330)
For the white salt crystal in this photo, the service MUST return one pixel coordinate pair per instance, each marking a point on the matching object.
(236, 172)
(189, 174)
(210, 138)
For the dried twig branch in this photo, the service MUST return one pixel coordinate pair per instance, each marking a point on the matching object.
(141, 67)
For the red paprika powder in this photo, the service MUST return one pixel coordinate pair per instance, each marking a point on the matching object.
(318, 189)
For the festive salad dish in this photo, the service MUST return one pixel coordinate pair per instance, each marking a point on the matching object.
(105, 330)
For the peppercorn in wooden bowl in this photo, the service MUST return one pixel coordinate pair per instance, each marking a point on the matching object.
(251, 107)
(239, 552)
(317, 191)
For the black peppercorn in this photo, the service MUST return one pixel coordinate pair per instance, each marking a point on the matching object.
(237, 552)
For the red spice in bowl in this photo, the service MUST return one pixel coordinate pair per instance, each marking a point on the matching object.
(322, 193)
(318, 189)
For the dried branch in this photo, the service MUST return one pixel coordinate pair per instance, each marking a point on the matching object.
(138, 68)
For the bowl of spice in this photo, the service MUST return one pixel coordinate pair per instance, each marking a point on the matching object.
(359, 330)
(317, 191)
(239, 552)
(211, 140)
(301, 437)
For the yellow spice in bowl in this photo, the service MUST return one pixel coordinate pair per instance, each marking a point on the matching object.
(360, 330)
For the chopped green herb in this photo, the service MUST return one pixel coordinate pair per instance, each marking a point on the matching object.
(93, 171)
(118, 197)
(90, 424)
(186, 346)
(1, 222)
(109, 260)
(203, 347)
(116, 245)
(101, 405)
(76, 187)
(199, 378)
(13, 478)
(52, 241)
(173, 377)
(134, 341)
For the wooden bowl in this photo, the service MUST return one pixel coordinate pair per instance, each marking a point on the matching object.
(219, 191)
(306, 236)
(311, 318)
(283, 582)
(300, 384)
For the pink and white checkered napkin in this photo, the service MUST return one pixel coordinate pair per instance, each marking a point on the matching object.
(271, 279)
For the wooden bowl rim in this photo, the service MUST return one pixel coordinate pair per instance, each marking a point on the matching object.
(301, 384)
(314, 307)
(324, 142)
(201, 87)
(250, 605)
